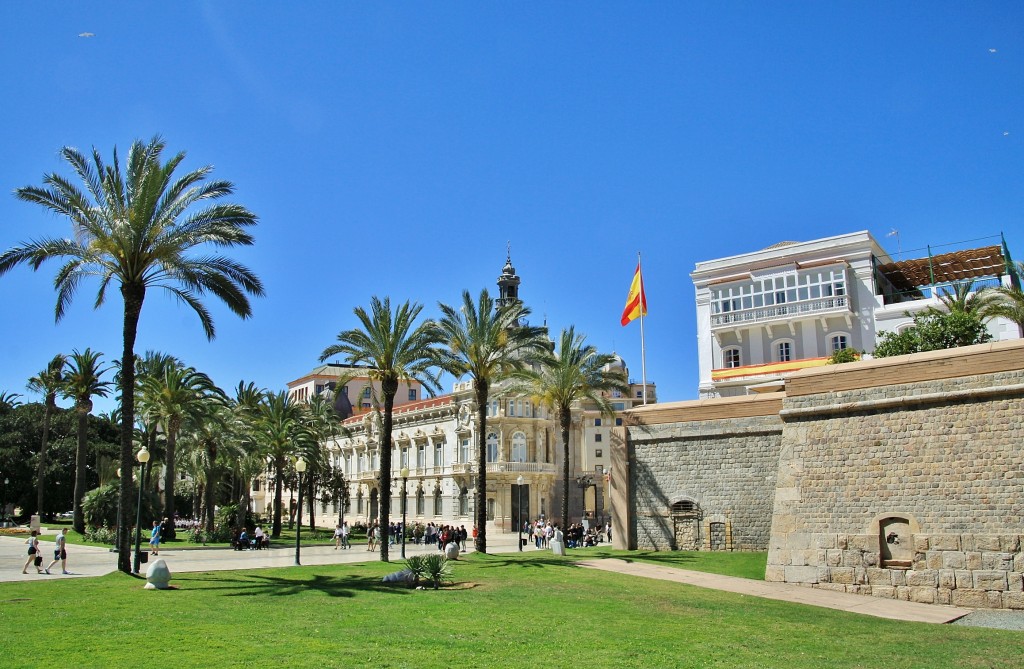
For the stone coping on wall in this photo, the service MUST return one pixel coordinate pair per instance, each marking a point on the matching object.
(933, 365)
(744, 406)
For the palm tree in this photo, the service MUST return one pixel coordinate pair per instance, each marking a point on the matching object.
(245, 408)
(171, 398)
(210, 434)
(574, 373)
(83, 380)
(1008, 301)
(9, 401)
(395, 349)
(489, 345)
(281, 432)
(137, 229)
(964, 300)
(48, 383)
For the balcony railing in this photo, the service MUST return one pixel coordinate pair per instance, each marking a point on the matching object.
(838, 303)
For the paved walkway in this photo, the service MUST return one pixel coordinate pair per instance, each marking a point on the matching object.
(870, 606)
(92, 561)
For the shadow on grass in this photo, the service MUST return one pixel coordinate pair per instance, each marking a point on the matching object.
(526, 560)
(259, 585)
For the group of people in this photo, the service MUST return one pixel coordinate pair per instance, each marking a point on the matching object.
(341, 533)
(430, 535)
(575, 536)
(35, 556)
(258, 541)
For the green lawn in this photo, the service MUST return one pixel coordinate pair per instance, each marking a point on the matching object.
(533, 610)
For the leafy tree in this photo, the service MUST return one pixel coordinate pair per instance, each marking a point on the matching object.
(281, 432)
(395, 349)
(136, 228)
(48, 383)
(934, 331)
(245, 408)
(488, 344)
(1008, 301)
(575, 372)
(842, 355)
(83, 380)
(177, 395)
(210, 435)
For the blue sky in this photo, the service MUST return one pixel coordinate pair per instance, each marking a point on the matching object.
(395, 148)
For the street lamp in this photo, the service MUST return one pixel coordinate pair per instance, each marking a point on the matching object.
(519, 512)
(143, 457)
(405, 479)
(300, 467)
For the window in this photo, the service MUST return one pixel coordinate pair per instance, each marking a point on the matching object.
(255, 485)
(412, 394)
(438, 454)
(366, 405)
(492, 447)
(366, 392)
(784, 351)
(640, 393)
(618, 421)
(463, 502)
(359, 502)
(490, 509)
(598, 437)
(598, 453)
(731, 357)
(404, 462)
(518, 447)
(464, 454)
(511, 408)
(597, 422)
(438, 505)
(838, 342)
(420, 502)
(421, 455)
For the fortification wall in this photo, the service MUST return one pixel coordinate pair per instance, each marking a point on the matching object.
(904, 478)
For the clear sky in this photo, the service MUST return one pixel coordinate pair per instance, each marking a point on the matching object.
(395, 148)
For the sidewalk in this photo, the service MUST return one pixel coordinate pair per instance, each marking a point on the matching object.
(863, 604)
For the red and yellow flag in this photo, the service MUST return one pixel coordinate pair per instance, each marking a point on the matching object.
(636, 301)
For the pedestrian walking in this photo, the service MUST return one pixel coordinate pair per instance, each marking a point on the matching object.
(337, 537)
(154, 538)
(60, 553)
(33, 553)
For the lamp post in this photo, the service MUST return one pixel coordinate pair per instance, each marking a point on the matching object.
(300, 467)
(143, 457)
(519, 512)
(405, 479)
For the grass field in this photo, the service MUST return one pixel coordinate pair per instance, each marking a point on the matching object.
(533, 610)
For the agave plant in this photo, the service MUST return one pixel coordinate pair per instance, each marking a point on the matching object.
(437, 569)
(416, 565)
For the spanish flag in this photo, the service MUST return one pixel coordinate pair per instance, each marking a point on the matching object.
(636, 301)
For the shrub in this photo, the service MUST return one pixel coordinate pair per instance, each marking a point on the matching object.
(101, 535)
(417, 567)
(437, 569)
(843, 355)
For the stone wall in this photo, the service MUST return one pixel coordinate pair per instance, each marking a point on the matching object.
(905, 490)
(700, 484)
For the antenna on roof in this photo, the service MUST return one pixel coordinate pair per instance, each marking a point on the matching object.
(896, 233)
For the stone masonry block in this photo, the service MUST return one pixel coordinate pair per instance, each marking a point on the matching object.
(922, 595)
(825, 540)
(973, 599)
(899, 576)
(943, 596)
(842, 542)
(973, 559)
(823, 575)
(801, 574)
(993, 599)
(903, 593)
(1009, 543)
(1001, 561)
(798, 541)
(945, 542)
(987, 542)
(964, 579)
(853, 559)
(832, 587)
(954, 560)
(920, 542)
(934, 560)
(990, 580)
(1013, 600)
(775, 574)
(1015, 581)
(870, 559)
(876, 576)
(884, 591)
(842, 575)
(947, 578)
(863, 542)
(860, 576)
(927, 578)
(833, 557)
(967, 542)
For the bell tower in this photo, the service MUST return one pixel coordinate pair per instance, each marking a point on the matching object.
(508, 282)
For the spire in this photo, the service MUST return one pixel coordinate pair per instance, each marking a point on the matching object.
(508, 282)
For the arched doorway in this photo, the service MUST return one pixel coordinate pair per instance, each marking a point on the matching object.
(374, 505)
(686, 522)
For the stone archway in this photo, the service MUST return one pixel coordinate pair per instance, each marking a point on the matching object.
(686, 515)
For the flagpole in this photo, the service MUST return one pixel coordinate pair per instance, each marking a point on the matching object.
(643, 351)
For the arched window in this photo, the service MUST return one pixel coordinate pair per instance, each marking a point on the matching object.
(420, 501)
(784, 350)
(438, 506)
(492, 447)
(731, 357)
(463, 502)
(519, 447)
(838, 342)
(359, 502)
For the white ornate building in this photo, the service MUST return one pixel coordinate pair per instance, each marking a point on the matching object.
(435, 438)
(764, 314)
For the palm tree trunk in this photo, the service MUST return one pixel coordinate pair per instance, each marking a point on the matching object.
(170, 464)
(211, 485)
(388, 388)
(482, 390)
(312, 497)
(41, 468)
(81, 453)
(278, 491)
(133, 298)
(564, 418)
